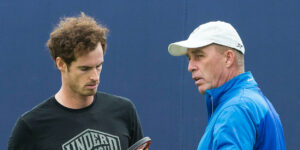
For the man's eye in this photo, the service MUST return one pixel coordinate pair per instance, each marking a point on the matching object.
(98, 67)
(84, 69)
(199, 56)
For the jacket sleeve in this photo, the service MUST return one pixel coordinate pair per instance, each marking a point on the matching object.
(234, 129)
(21, 137)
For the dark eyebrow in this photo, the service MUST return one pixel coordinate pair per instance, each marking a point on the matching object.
(90, 66)
(87, 67)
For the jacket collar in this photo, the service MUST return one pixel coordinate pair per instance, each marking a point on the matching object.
(213, 97)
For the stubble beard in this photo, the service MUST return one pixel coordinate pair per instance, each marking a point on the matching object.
(89, 92)
(83, 91)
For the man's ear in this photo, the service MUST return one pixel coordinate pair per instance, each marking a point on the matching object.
(60, 64)
(229, 57)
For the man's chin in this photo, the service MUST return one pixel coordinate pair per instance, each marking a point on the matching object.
(90, 93)
(201, 90)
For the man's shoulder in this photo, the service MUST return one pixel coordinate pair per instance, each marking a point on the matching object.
(254, 98)
(39, 109)
(114, 99)
(249, 101)
(246, 96)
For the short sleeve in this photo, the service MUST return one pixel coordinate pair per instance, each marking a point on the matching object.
(136, 129)
(21, 137)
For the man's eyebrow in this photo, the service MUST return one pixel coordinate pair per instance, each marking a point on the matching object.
(196, 51)
(84, 66)
(87, 66)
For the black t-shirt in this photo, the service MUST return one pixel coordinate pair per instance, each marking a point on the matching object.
(109, 123)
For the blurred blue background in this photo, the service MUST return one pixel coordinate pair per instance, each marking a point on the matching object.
(138, 66)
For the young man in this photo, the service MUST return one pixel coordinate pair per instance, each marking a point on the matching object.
(78, 117)
(240, 116)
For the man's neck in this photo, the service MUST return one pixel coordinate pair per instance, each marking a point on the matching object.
(73, 100)
(228, 75)
(234, 73)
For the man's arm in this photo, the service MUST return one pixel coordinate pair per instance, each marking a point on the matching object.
(234, 129)
(21, 137)
(136, 129)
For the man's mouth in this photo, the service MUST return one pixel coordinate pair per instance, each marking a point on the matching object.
(92, 85)
(197, 80)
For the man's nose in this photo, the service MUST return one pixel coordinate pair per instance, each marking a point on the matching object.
(95, 75)
(191, 66)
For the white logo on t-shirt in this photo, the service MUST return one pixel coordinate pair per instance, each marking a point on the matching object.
(91, 139)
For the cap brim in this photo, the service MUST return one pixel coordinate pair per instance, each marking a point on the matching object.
(180, 48)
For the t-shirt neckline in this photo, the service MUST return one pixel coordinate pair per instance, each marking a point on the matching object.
(72, 109)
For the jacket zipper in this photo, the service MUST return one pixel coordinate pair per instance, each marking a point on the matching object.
(212, 106)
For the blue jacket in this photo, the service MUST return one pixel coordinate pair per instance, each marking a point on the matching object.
(241, 117)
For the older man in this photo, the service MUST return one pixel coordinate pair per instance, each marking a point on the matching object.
(240, 116)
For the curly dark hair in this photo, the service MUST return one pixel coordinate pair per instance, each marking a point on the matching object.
(76, 36)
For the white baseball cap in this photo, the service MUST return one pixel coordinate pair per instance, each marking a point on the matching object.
(217, 32)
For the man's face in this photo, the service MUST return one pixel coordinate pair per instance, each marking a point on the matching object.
(207, 66)
(82, 75)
